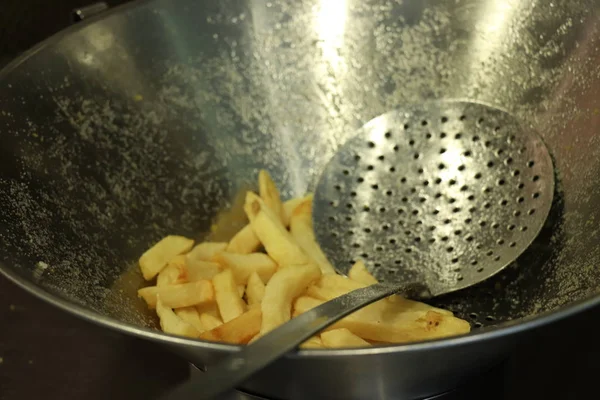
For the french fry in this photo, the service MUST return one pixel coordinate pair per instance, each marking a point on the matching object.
(301, 228)
(415, 326)
(290, 205)
(331, 286)
(157, 257)
(285, 285)
(342, 338)
(209, 308)
(304, 303)
(243, 265)
(270, 194)
(172, 324)
(255, 289)
(404, 327)
(314, 342)
(278, 242)
(191, 316)
(198, 270)
(359, 273)
(210, 322)
(237, 331)
(177, 296)
(206, 251)
(244, 242)
(174, 273)
(226, 293)
(200, 290)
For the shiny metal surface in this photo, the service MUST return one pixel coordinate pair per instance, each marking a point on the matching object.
(446, 193)
(450, 165)
(153, 119)
(235, 369)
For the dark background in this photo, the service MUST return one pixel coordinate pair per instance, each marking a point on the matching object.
(46, 353)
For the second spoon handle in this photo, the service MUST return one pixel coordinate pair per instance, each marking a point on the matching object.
(238, 367)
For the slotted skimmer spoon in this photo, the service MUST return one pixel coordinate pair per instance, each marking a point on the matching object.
(434, 198)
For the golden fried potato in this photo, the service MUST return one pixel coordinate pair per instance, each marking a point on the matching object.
(191, 316)
(270, 194)
(202, 291)
(314, 342)
(244, 242)
(390, 327)
(210, 322)
(198, 270)
(209, 308)
(278, 242)
(228, 298)
(285, 285)
(174, 273)
(157, 257)
(172, 324)
(177, 296)
(342, 338)
(301, 228)
(237, 331)
(255, 289)
(290, 205)
(206, 251)
(359, 273)
(243, 265)
(330, 286)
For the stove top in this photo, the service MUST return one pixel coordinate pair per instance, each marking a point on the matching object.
(45, 352)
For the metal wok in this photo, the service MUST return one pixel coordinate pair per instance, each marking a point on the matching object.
(153, 118)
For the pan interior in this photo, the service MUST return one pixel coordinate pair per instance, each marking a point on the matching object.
(152, 121)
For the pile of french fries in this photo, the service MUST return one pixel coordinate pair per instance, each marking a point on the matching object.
(270, 271)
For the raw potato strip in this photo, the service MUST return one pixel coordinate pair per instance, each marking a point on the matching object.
(243, 265)
(206, 251)
(302, 230)
(287, 284)
(360, 274)
(342, 338)
(407, 327)
(174, 273)
(191, 316)
(278, 242)
(289, 207)
(177, 296)
(228, 299)
(270, 194)
(314, 342)
(237, 331)
(172, 324)
(210, 322)
(255, 289)
(157, 257)
(244, 242)
(198, 270)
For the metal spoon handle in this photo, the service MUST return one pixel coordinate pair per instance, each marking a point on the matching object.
(238, 367)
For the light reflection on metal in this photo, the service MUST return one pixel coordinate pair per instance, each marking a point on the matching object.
(330, 25)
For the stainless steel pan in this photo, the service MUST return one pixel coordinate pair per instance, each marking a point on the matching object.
(155, 117)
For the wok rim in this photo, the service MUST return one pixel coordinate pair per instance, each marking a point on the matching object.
(503, 330)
